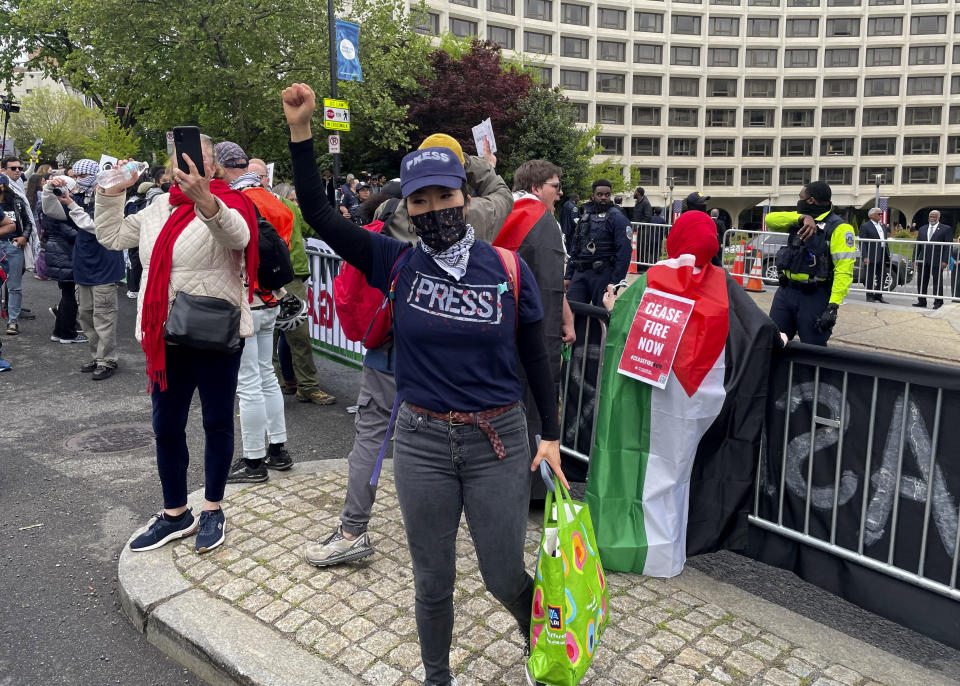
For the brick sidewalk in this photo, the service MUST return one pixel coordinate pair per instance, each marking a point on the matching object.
(360, 616)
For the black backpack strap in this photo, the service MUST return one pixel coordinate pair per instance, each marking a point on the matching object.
(390, 207)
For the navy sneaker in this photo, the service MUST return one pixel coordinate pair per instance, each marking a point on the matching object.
(279, 460)
(212, 526)
(162, 530)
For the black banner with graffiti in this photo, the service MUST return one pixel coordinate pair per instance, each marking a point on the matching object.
(884, 480)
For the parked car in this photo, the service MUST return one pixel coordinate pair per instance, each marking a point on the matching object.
(769, 242)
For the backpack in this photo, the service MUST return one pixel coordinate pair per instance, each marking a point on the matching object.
(360, 307)
(275, 270)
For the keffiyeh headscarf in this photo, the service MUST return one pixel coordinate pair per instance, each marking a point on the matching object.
(454, 259)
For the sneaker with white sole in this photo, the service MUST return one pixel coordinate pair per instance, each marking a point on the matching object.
(163, 530)
(337, 549)
(79, 338)
(212, 527)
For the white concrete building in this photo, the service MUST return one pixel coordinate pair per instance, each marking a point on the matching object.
(745, 100)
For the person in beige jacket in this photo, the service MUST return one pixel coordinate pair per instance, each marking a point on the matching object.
(207, 259)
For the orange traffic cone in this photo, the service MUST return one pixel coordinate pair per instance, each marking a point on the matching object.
(755, 283)
(737, 271)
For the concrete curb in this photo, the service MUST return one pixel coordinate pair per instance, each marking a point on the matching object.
(217, 642)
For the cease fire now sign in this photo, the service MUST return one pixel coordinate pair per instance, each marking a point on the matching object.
(655, 336)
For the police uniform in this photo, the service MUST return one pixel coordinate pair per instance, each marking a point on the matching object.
(600, 250)
(813, 274)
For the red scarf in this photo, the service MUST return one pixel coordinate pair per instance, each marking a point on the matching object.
(155, 300)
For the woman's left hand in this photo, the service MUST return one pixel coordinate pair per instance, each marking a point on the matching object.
(196, 187)
(550, 451)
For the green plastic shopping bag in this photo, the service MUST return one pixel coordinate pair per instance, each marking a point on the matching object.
(569, 593)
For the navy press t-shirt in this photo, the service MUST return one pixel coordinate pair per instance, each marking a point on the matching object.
(455, 342)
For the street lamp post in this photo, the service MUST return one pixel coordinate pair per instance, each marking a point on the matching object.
(876, 179)
(332, 30)
(670, 200)
(8, 106)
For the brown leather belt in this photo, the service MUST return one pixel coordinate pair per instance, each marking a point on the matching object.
(478, 419)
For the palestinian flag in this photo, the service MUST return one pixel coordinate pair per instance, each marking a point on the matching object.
(690, 447)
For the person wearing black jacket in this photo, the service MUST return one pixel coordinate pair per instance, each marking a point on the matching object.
(874, 253)
(460, 443)
(642, 210)
(61, 234)
(932, 258)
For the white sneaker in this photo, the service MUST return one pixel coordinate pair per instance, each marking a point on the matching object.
(337, 549)
(132, 295)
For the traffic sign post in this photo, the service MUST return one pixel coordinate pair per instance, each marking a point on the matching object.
(333, 144)
(336, 114)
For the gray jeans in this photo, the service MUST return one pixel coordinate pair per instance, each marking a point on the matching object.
(440, 471)
(97, 314)
(377, 391)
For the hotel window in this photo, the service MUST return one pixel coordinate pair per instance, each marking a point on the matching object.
(763, 28)
(463, 28)
(794, 176)
(610, 114)
(724, 117)
(465, 3)
(925, 85)
(574, 14)
(758, 118)
(646, 85)
(646, 53)
(921, 145)
(540, 43)
(799, 88)
(954, 114)
(803, 3)
(684, 116)
(954, 85)
(718, 177)
(648, 22)
(501, 36)
(545, 76)
(836, 146)
(928, 25)
(802, 28)
(684, 87)
(796, 147)
(611, 51)
(539, 9)
(724, 26)
(956, 54)
(611, 19)
(722, 88)
(927, 54)
(612, 145)
(727, 3)
(757, 147)
(797, 118)
(869, 174)
(883, 57)
(923, 116)
(878, 146)
(575, 47)
(876, 88)
(757, 57)
(953, 145)
(646, 116)
(760, 88)
(684, 56)
(501, 6)
(722, 57)
(880, 116)
(647, 176)
(610, 83)
(682, 147)
(685, 24)
(885, 26)
(756, 177)
(879, 3)
(582, 112)
(427, 23)
(846, 26)
(719, 147)
(799, 59)
(841, 57)
(839, 88)
(640, 147)
(683, 176)
(838, 118)
(952, 175)
(841, 176)
(919, 175)
(574, 80)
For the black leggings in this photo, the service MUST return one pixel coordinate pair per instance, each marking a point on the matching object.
(66, 324)
(215, 376)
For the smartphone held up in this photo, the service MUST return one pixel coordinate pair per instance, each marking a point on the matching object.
(186, 139)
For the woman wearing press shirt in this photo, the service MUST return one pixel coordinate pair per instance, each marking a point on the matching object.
(461, 431)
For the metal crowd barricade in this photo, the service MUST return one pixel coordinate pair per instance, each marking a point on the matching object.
(900, 272)
(580, 380)
(325, 332)
(648, 244)
(853, 463)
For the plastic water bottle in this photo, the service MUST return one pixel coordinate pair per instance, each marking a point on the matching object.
(121, 174)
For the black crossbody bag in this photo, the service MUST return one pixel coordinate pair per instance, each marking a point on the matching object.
(204, 322)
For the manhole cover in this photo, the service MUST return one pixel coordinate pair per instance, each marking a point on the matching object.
(111, 439)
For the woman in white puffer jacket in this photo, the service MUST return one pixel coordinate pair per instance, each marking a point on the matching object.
(198, 239)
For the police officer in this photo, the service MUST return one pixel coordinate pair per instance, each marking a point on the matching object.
(816, 266)
(599, 248)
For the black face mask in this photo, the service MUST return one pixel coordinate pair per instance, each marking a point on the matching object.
(814, 210)
(440, 229)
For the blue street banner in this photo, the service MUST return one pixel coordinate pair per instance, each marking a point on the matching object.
(348, 51)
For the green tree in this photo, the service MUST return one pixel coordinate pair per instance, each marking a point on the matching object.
(114, 140)
(61, 120)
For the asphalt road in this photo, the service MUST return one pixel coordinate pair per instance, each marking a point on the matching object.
(68, 506)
